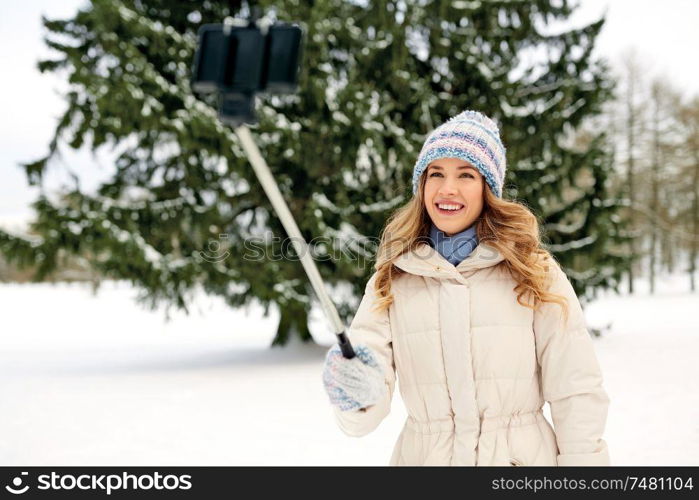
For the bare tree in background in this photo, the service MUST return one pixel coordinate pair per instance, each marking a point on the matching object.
(689, 118)
(655, 147)
(633, 111)
(662, 177)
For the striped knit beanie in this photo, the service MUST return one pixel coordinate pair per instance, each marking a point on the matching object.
(470, 136)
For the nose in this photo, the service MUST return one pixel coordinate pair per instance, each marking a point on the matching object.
(448, 187)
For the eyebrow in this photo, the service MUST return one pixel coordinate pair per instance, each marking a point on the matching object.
(460, 167)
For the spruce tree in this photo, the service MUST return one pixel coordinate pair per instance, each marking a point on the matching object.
(375, 78)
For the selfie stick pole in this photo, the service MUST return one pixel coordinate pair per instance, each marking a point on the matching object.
(275, 197)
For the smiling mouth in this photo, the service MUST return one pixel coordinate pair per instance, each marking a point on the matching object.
(443, 211)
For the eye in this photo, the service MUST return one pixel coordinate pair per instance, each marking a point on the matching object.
(433, 174)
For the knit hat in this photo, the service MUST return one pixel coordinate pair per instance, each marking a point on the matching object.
(470, 136)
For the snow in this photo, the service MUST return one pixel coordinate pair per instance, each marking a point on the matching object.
(380, 206)
(98, 380)
(573, 245)
(322, 201)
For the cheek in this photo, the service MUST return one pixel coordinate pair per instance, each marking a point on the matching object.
(429, 192)
(473, 194)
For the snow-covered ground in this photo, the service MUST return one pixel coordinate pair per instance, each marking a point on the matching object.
(99, 380)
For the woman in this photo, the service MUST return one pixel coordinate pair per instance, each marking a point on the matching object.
(475, 319)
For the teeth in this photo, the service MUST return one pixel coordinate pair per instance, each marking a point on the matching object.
(449, 207)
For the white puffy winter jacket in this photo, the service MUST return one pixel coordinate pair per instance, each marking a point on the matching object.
(474, 367)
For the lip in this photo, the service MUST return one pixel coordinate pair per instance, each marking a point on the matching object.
(449, 213)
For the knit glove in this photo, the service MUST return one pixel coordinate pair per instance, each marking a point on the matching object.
(356, 383)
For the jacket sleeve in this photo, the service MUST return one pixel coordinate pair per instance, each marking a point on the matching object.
(374, 330)
(571, 378)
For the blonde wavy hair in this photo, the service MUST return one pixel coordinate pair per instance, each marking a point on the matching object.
(508, 226)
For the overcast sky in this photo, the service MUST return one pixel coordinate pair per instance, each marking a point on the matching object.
(664, 33)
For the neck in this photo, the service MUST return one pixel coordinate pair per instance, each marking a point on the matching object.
(469, 228)
(454, 247)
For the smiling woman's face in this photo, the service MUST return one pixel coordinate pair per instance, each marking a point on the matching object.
(453, 182)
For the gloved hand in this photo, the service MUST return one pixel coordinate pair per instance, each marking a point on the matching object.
(353, 384)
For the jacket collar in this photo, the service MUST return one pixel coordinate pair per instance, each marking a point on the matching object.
(424, 260)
